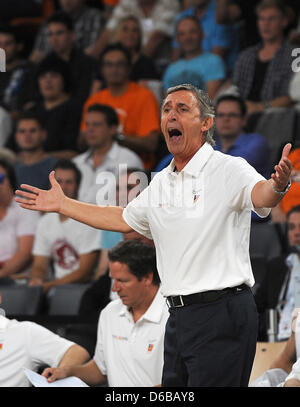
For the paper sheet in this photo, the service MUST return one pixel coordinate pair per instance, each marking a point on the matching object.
(40, 381)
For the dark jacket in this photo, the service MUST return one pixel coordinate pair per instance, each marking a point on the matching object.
(267, 294)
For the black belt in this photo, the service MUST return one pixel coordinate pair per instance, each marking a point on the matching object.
(202, 298)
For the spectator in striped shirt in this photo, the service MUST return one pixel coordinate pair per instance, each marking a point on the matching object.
(262, 73)
(88, 23)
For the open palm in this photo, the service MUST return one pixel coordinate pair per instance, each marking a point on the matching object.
(39, 199)
(283, 169)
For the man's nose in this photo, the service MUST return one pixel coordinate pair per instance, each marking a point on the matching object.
(172, 115)
(115, 287)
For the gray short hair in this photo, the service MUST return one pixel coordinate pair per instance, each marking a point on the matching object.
(206, 106)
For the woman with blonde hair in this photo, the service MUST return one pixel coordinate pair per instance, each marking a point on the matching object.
(128, 32)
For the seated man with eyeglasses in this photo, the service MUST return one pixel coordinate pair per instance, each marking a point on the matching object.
(231, 112)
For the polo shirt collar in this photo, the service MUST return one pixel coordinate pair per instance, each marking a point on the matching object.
(197, 162)
(154, 312)
(111, 154)
(87, 155)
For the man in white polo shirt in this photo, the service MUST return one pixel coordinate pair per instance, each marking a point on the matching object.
(129, 350)
(198, 213)
(104, 154)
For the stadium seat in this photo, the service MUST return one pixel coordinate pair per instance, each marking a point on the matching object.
(264, 240)
(65, 299)
(21, 300)
(258, 264)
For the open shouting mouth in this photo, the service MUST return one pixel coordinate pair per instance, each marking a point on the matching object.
(174, 135)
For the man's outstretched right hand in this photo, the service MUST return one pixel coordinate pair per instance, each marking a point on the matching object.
(40, 200)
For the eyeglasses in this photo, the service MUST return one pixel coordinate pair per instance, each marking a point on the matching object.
(2, 178)
(268, 19)
(229, 115)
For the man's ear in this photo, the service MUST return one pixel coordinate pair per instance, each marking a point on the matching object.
(149, 279)
(20, 47)
(113, 130)
(244, 121)
(44, 134)
(207, 123)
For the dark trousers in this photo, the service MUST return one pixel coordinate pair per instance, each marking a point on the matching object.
(212, 344)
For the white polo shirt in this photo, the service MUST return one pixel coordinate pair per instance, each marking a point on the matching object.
(295, 372)
(90, 183)
(131, 354)
(200, 221)
(26, 344)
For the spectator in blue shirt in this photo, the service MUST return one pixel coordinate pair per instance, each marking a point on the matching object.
(231, 115)
(33, 164)
(218, 38)
(204, 70)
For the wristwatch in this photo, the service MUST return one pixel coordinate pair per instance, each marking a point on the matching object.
(266, 104)
(282, 193)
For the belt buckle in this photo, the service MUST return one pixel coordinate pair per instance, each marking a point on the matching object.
(176, 306)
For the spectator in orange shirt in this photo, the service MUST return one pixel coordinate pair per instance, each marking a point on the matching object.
(136, 105)
(293, 197)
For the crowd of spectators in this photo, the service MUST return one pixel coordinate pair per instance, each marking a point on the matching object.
(81, 94)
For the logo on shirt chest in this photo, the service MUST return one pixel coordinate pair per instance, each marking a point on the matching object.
(196, 196)
(64, 254)
(120, 338)
(150, 347)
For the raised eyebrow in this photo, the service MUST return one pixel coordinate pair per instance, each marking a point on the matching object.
(166, 104)
(179, 104)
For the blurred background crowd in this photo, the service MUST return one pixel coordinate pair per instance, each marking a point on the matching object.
(81, 94)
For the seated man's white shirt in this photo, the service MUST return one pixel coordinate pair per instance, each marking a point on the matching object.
(131, 354)
(199, 220)
(94, 179)
(27, 344)
(64, 242)
(17, 222)
(292, 299)
(295, 373)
